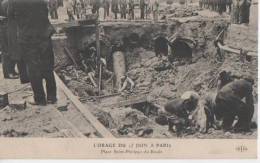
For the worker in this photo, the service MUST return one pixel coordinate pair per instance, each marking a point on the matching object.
(223, 79)
(229, 104)
(89, 64)
(126, 83)
(181, 110)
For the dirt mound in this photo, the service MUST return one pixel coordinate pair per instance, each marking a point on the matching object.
(177, 10)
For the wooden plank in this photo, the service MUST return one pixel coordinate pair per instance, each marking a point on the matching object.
(129, 102)
(70, 55)
(235, 51)
(76, 132)
(83, 109)
(105, 96)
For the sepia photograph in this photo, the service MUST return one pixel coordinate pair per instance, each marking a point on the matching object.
(104, 71)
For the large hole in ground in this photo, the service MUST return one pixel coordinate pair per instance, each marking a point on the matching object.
(147, 108)
(131, 41)
(161, 46)
(181, 49)
(137, 119)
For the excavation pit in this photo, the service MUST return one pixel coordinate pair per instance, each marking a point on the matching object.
(139, 44)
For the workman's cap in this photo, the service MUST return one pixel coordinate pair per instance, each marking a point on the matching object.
(190, 94)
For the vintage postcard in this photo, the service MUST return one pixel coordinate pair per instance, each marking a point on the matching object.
(128, 79)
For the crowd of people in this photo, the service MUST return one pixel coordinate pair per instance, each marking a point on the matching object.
(123, 9)
(239, 9)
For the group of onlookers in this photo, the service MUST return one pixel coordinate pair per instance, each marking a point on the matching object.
(239, 9)
(123, 9)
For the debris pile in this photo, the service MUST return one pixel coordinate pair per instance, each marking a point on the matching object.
(177, 11)
(76, 81)
(128, 122)
(163, 80)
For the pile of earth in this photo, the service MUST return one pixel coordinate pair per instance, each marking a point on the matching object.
(200, 76)
(179, 11)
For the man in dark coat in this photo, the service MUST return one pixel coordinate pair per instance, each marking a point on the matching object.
(244, 11)
(229, 104)
(222, 6)
(9, 56)
(142, 8)
(123, 8)
(115, 7)
(35, 33)
(235, 12)
(106, 5)
(96, 6)
(131, 6)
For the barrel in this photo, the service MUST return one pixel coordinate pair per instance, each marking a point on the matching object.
(119, 65)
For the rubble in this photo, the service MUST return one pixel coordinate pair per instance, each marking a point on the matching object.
(154, 76)
(176, 11)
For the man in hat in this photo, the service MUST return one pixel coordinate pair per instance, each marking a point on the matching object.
(34, 38)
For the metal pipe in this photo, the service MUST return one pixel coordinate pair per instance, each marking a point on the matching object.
(119, 65)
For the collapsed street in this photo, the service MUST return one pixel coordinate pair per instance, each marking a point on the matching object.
(161, 60)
